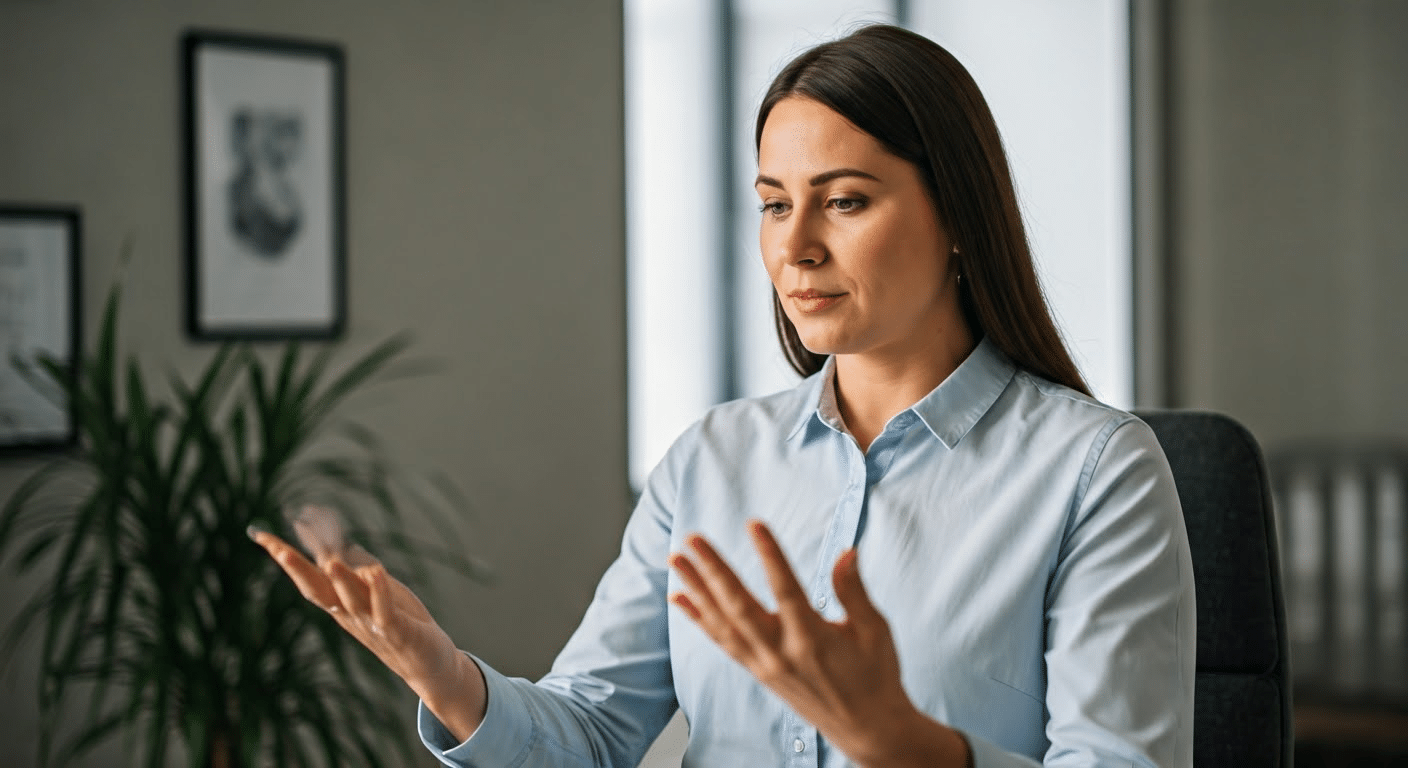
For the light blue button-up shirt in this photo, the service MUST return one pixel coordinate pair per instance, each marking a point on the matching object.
(1024, 542)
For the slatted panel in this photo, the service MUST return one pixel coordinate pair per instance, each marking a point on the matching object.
(1343, 522)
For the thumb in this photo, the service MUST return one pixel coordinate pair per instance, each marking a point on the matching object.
(845, 579)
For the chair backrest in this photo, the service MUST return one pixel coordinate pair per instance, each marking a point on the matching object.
(1242, 704)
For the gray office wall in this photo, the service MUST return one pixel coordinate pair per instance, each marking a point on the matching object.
(1290, 235)
(485, 213)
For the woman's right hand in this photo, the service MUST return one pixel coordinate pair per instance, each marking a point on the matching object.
(384, 615)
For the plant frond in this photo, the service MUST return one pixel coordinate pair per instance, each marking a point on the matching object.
(47, 376)
(288, 364)
(158, 729)
(110, 627)
(173, 627)
(100, 372)
(207, 396)
(357, 374)
(303, 389)
(453, 559)
(90, 735)
(19, 507)
(25, 622)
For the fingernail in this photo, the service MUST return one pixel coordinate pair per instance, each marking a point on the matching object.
(254, 530)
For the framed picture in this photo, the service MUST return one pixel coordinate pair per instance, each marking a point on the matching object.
(40, 314)
(265, 252)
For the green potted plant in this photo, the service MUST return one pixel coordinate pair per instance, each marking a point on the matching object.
(179, 633)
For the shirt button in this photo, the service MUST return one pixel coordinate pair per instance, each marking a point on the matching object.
(821, 603)
(798, 746)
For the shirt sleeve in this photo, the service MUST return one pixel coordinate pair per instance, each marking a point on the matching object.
(610, 692)
(1120, 618)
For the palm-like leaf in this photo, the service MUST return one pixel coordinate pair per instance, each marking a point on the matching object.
(181, 631)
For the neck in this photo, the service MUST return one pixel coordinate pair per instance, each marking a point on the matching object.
(872, 387)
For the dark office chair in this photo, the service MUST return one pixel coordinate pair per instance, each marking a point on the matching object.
(1242, 702)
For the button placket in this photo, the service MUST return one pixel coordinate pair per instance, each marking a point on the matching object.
(805, 749)
(841, 533)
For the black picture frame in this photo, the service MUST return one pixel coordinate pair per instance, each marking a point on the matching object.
(41, 311)
(265, 195)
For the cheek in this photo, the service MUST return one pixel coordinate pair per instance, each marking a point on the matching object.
(915, 249)
(902, 271)
(770, 251)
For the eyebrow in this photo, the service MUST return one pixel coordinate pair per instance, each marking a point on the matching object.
(819, 179)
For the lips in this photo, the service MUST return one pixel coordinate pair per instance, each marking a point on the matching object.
(813, 300)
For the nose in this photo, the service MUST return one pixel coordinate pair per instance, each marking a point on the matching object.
(799, 242)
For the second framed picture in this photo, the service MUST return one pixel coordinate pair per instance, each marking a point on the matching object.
(265, 229)
(40, 320)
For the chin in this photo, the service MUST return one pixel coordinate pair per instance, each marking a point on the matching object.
(819, 344)
(827, 335)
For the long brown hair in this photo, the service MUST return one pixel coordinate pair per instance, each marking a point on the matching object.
(914, 97)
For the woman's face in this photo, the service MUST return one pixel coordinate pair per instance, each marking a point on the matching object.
(850, 238)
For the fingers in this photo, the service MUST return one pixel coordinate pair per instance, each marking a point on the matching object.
(311, 582)
(687, 605)
(334, 586)
(845, 579)
(380, 595)
(702, 600)
(358, 558)
(352, 592)
(720, 603)
(721, 584)
(320, 532)
(792, 600)
(714, 589)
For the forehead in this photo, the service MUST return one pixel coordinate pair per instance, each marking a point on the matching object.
(806, 136)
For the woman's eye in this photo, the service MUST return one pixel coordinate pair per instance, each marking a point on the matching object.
(774, 208)
(847, 204)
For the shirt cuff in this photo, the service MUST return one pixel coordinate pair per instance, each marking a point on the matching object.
(503, 737)
(989, 755)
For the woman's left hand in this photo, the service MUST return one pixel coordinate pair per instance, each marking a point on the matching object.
(843, 677)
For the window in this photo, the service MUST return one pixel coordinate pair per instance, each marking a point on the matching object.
(699, 310)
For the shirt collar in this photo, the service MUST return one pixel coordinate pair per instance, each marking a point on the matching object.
(815, 391)
(950, 411)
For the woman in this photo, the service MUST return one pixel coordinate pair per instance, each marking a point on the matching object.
(936, 550)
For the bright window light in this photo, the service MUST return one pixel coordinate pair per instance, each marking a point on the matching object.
(699, 305)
